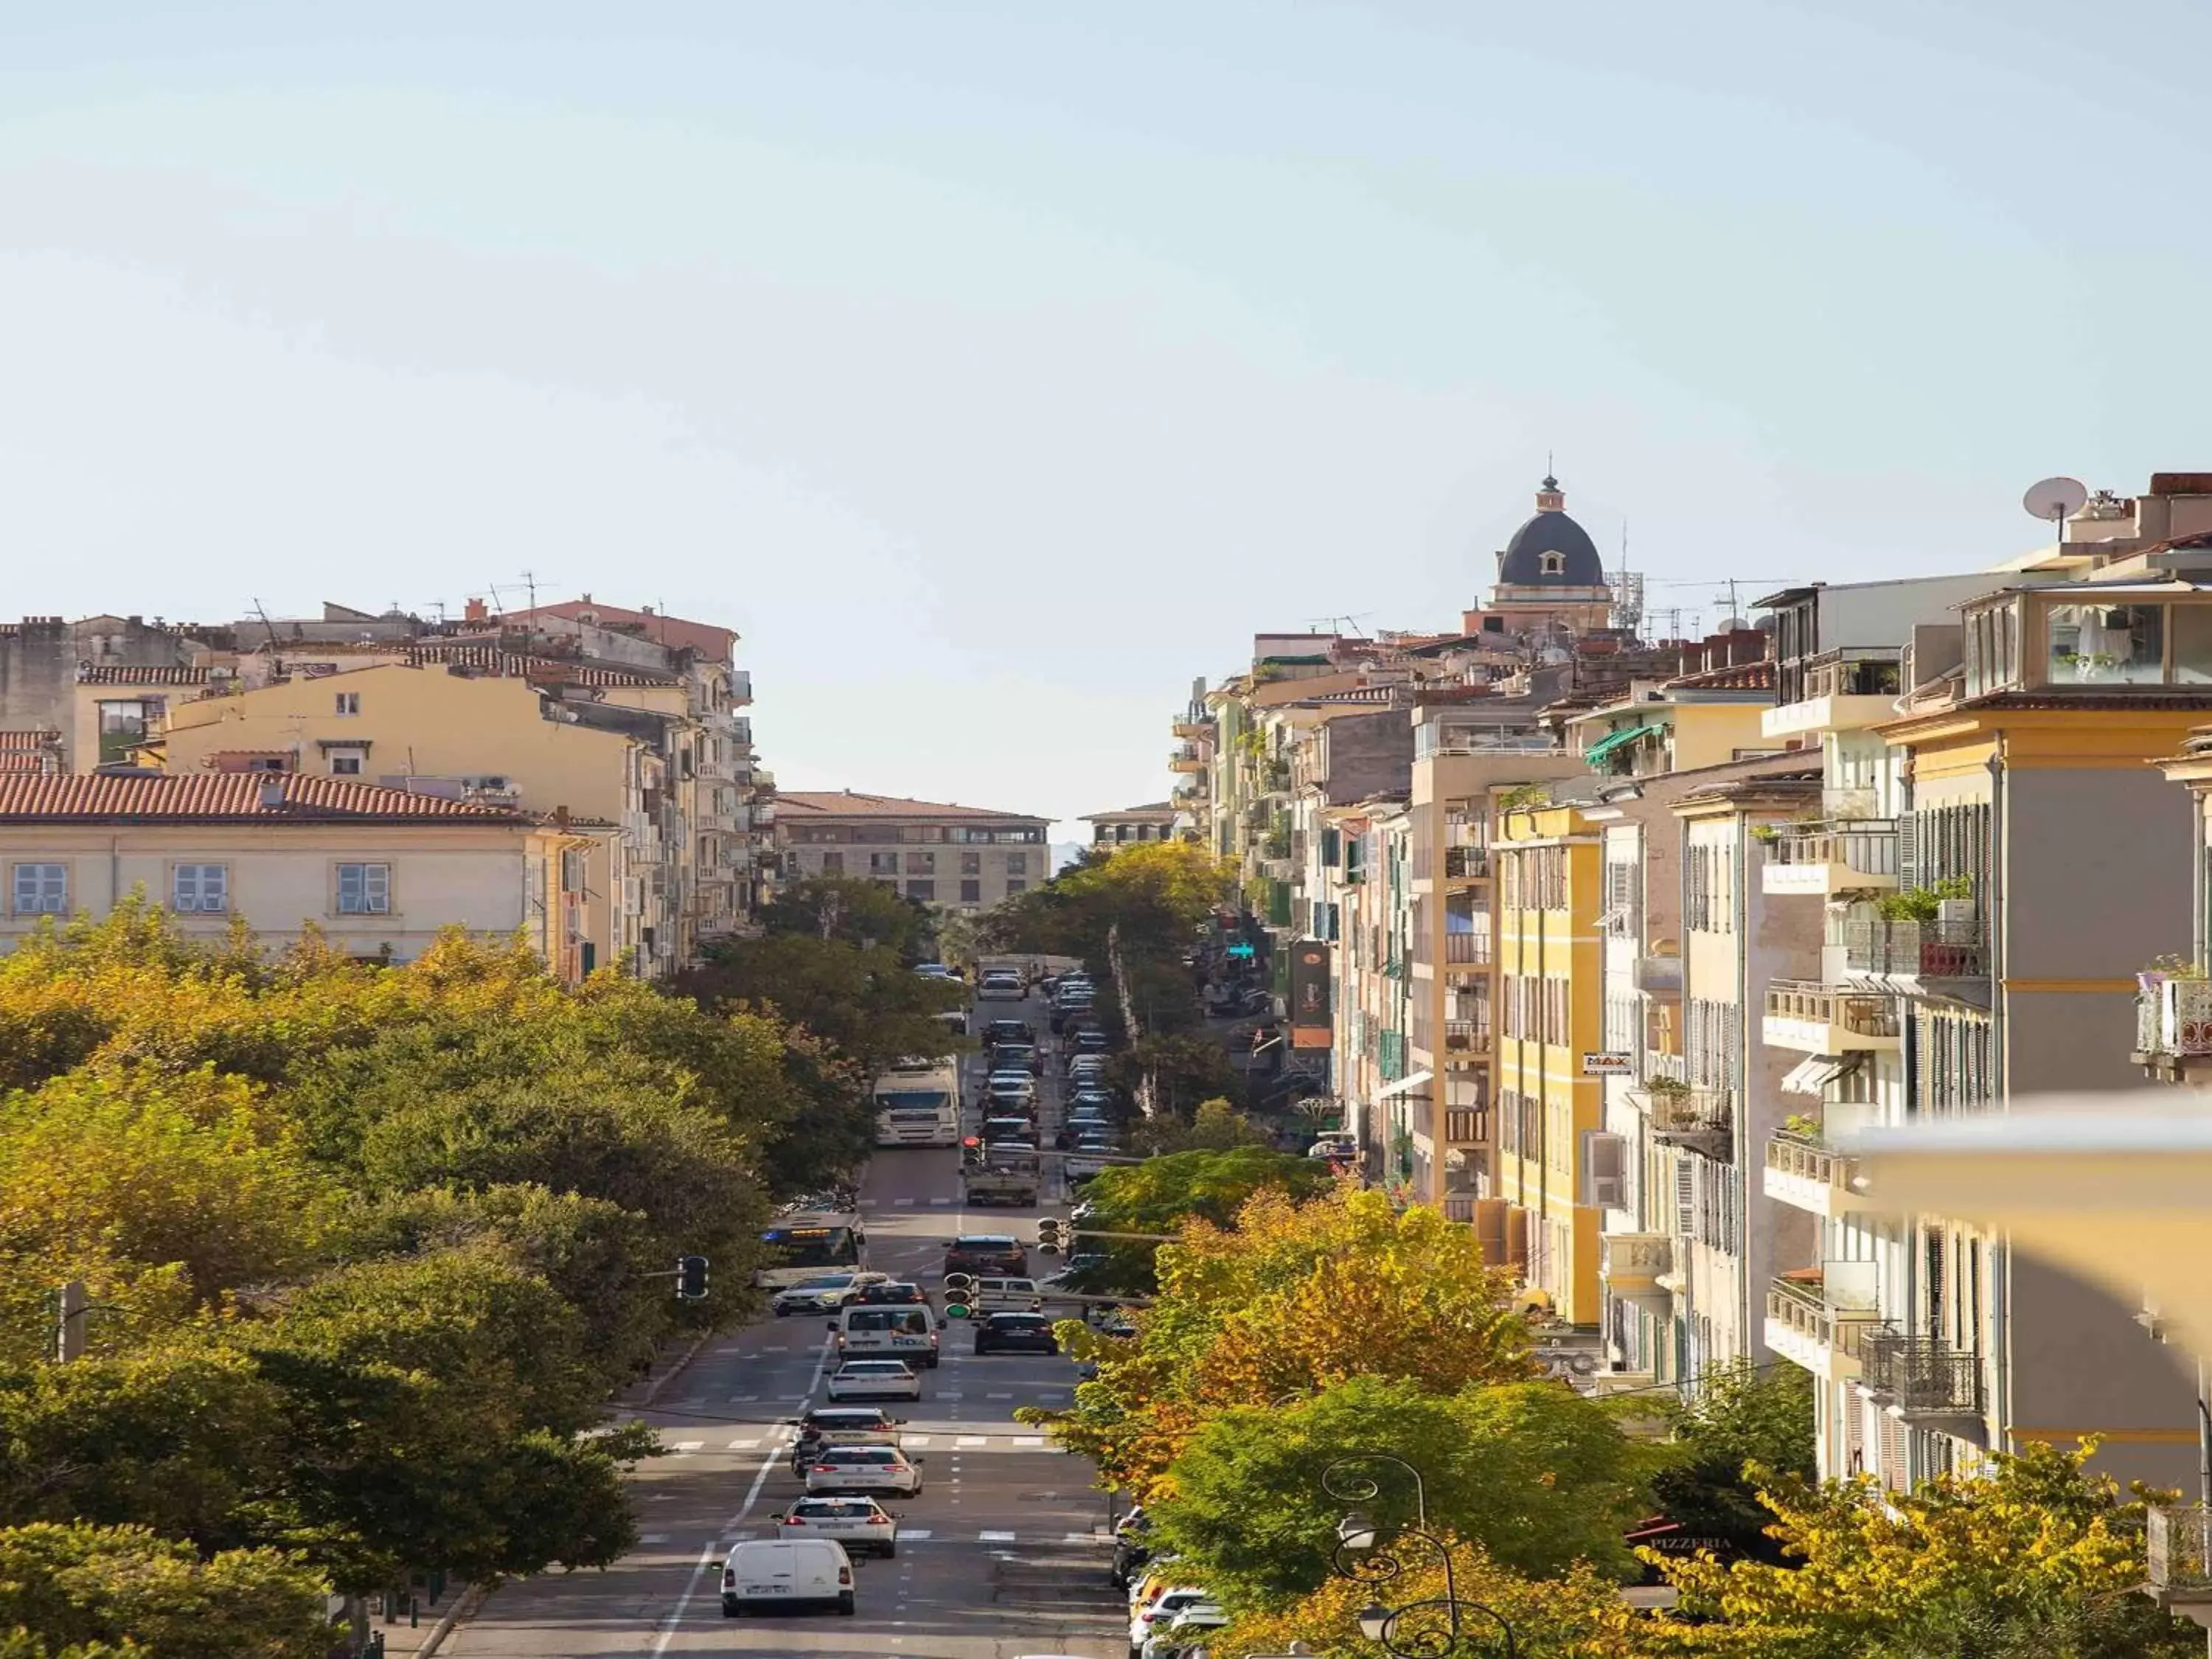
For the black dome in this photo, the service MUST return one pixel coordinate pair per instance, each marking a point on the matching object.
(1551, 531)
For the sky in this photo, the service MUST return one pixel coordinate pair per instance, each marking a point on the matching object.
(998, 369)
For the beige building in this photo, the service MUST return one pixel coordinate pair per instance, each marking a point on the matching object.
(1133, 824)
(379, 872)
(956, 857)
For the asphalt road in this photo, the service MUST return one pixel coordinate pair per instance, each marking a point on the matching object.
(1005, 1553)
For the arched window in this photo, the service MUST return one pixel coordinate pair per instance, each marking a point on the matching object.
(1554, 564)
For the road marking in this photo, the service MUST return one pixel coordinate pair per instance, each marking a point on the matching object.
(744, 1399)
(994, 1538)
(935, 1201)
(915, 1535)
(751, 1445)
(900, 1203)
(653, 1538)
(913, 1440)
(970, 1440)
(676, 1614)
(1029, 1440)
(681, 1446)
(1082, 1537)
(998, 1396)
(780, 1348)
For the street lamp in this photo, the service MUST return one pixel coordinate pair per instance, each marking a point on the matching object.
(1427, 1628)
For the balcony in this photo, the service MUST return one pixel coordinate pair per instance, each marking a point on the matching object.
(1467, 1036)
(1918, 950)
(1814, 1019)
(1806, 1175)
(1187, 758)
(1632, 1264)
(1193, 725)
(1658, 977)
(1841, 855)
(2180, 1554)
(1467, 950)
(2173, 1029)
(1922, 1376)
(1467, 863)
(1701, 1119)
(741, 686)
(1467, 1126)
(1840, 691)
(1806, 1330)
(1459, 1207)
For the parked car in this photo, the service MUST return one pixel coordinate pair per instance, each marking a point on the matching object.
(1015, 1333)
(1006, 1030)
(857, 1524)
(824, 1295)
(785, 1572)
(1000, 985)
(875, 1379)
(1186, 1631)
(844, 1470)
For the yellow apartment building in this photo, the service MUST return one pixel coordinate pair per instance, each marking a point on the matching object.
(490, 740)
(1551, 1015)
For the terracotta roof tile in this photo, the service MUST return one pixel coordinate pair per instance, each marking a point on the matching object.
(32, 737)
(224, 797)
(845, 804)
(490, 660)
(118, 674)
(1737, 677)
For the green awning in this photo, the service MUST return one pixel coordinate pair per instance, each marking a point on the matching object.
(1613, 740)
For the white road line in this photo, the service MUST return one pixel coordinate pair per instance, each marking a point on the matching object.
(970, 1440)
(994, 1538)
(751, 1445)
(900, 1203)
(998, 1396)
(1029, 1440)
(913, 1440)
(744, 1399)
(780, 1348)
(940, 1200)
(1081, 1537)
(653, 1538)
(915, 1534)
(676, 1614)
(686, 1446)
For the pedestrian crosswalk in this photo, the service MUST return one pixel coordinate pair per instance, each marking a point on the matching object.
(994, 1538)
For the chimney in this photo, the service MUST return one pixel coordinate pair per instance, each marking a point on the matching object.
(272, 792)
(475, 610)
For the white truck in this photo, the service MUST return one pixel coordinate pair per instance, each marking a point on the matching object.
(1000, 1174)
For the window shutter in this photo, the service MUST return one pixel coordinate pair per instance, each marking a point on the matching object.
(1686, 1197)
(185, 894)
(1908, 850)
(1605, 1177)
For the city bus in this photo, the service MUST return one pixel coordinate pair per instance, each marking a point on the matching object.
(918, 1104)
(810, 1243)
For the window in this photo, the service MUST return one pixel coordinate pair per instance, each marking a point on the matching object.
(883, 864)
(833, 863)
(345, 764)
(199, 887)
(925, 891)
(126, 722)
(2117, 644)
(971, 892)
(1016, 884)
(364, 889)
(571, 871)
(348, 703)
(41, 889)
(1018, 864)
(920, 864)
(1553, 564)
(971, 864)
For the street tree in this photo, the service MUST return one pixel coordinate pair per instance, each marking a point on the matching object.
(75, 1585)
(864, 1001)
(1182, 1069)
(1742, 1417)
(2038, 1557)
(852, 910)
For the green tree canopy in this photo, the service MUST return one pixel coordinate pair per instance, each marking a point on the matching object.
(1536, 1474)
(852, 910)
(1743, 1417)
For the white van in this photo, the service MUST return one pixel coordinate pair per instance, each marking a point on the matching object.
(785, 1572)
(901, 1330)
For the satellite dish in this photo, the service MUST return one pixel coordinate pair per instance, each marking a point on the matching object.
(2055, 498)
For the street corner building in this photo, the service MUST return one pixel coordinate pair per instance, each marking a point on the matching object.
(936, 852)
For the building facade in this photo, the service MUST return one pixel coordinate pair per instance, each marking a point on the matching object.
(952, 857)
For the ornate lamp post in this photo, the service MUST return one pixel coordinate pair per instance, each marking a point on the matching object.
(1427, 1628)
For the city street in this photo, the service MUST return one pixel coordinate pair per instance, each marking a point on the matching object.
(1005, 1553)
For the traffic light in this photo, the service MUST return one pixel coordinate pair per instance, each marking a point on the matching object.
(957, 1288)
(691, 1277)
(1049, 1239)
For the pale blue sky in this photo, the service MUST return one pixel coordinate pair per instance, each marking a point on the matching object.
(996, 368)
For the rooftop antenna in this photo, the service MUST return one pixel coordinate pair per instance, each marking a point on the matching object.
(273, 646)
(531, 577)
(2056, 499)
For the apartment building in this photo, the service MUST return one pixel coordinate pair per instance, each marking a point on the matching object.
(953, 857)
(2032, 866)
(1133, 825)
(378, 873)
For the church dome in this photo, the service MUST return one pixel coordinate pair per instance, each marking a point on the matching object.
(1550, 549)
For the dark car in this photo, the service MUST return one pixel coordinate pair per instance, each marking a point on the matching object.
(898, 1293)
(1016, 1333)
(1012, 1056)
(1010, 1132)
(986, 1252)
(1006, 1030)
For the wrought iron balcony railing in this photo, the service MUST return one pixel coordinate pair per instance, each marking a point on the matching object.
(1922, 1375)
(1924, 949)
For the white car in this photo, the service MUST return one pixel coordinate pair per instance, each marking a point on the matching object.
(999, 986)
(1187, 1632)
(1159, 1613)
(824, 1295)
(874, 1379)
(863, 1470)
(857, 1524)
